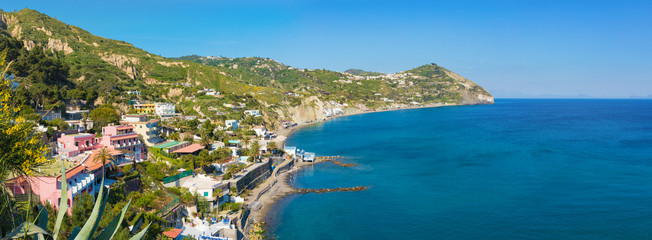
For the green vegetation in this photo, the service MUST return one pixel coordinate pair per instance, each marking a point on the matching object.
(55, 66)
(21, 153)
(230, 206)
(364, 73)
(103, 116)
(233, 169)
(83, 212)
(78, 67)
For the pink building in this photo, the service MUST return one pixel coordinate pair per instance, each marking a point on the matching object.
(124, 138)
(74, 144)
(85, 177)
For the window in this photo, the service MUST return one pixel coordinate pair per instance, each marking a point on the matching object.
(87, 143)
(76, 144)
(205, 194)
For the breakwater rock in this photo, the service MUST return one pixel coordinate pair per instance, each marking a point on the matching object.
(327, 190)
(334, 161)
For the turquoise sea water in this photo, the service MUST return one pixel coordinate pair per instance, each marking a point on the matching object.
(518, 169)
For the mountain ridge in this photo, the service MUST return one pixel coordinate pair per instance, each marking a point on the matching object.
(115, 66)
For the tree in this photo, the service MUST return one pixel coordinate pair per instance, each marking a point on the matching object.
(271, 145)
(174, 136)
(21, 150)
(105, 157)
(192, 124)
(36, 229)
(82, 209)
(204, 158)
(102, 116)
(206, 141)
(255, 150)
(221, 153)
(207, 129)
(49, 132)
(189, 161)
(60, 123)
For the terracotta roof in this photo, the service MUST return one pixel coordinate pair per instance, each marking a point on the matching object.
(190, 148)
(120, 137)
(173, 233)
(73, 171)
(124, 126)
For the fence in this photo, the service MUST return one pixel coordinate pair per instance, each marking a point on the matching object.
(266, 189)
(177, 177)
(167, 208)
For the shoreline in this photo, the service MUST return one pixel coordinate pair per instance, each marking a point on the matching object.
(280, 186)
(285, 133)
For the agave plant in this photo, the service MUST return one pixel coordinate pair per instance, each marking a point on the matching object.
(37, 228)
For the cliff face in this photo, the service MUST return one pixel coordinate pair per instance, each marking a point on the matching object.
(310, 109)
(471, 93)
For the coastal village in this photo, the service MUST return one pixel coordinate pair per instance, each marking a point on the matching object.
(200, 178)
(179, 148)
(210, 174)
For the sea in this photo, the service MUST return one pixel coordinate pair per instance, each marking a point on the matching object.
(517, 169)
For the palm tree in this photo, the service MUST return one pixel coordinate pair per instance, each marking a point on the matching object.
(105, 157)
(271, 145)
(206, 141)
(255, 149)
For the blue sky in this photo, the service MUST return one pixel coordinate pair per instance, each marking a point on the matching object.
(512, 48)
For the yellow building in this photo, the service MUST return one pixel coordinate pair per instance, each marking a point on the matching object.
(145, 108)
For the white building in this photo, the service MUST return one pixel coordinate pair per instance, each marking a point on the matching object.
(260, 131)
(49, 115)
(136, 92)
(231, 124)
(80, 125)
(202, 185)
(253, 113)
(165, 109)
(209, 92)
(77, 114)
(133, 118)
(292, 151)
(147, 129)
(309, 157)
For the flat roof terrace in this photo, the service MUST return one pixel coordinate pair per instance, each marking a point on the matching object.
(166, 144)
(169, 144)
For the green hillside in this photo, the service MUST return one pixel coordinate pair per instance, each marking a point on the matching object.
(108, 68)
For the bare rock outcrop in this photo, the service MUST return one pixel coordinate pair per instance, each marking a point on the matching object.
(311, 108)
(29, 44)
(170, 64)
(126, 64)
(58, 45)
(42, 29)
